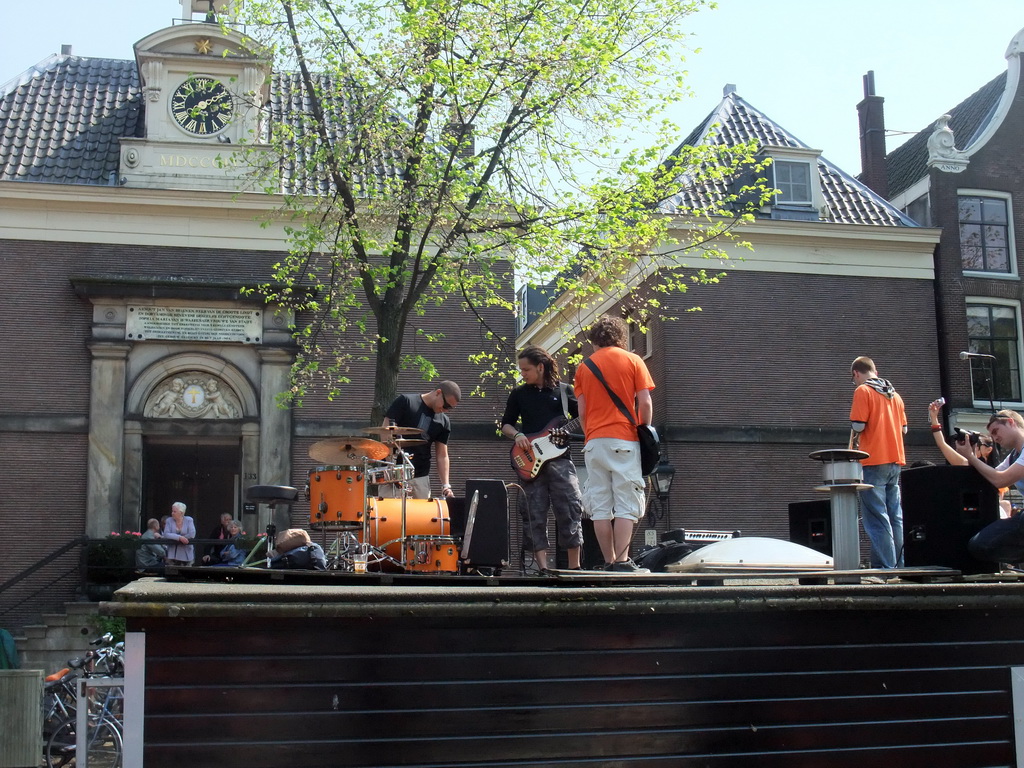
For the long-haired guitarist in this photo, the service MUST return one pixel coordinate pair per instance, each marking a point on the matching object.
(535, 417)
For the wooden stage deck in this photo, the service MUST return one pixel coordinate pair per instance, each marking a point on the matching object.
(265, 668)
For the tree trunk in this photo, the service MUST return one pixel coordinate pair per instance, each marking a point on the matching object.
(389, 355)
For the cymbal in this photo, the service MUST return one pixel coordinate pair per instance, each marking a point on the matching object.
(392, 431)
(402, 442)
(347, 449)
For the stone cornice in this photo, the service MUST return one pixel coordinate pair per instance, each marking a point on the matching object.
(147, 217)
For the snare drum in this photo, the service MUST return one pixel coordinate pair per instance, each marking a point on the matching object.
(423, 517)
(336, 495)
(389, 474)
(431, 554)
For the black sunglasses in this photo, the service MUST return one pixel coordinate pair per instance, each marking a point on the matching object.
(446, 406)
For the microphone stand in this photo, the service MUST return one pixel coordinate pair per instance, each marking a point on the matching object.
(989, 372)
(991, 381)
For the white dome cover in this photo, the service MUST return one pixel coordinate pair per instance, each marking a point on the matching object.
(754, 554)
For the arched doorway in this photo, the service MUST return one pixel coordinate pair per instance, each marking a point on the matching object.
(195, 439)
(204, 474)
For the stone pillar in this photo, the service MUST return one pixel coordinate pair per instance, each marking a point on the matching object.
(106, 437)
(251, 475)
(131, 503)
(275, 424)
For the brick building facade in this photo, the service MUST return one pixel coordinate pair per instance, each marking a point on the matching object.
(965, 175)
(760, 377)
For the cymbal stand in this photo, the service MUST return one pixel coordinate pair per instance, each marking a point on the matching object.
(404, 487)
(363, 545)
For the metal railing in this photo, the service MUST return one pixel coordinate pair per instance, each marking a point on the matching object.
(44, 585)
(81, 569)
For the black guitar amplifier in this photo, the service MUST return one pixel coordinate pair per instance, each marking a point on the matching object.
(485, 542)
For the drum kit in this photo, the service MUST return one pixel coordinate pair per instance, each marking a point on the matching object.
(374, 532)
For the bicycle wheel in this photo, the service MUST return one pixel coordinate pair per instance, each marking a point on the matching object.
(60, 747)
(104, 745)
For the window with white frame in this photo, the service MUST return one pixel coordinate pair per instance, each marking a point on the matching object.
(985, 233)
(640, 338)
(793, 180)
(993, 328)
(794, 173)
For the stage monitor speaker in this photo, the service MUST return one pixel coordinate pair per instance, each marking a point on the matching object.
(810, 524)
(486, 539)
(457, 516)
(943, 507)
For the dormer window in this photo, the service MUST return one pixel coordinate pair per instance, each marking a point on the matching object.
(794, 173)
(793, 180)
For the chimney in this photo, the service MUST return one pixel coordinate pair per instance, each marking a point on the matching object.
(65, 50)
(872, 139)
(458, 137)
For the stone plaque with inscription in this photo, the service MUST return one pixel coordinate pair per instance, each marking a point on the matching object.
(244, 326)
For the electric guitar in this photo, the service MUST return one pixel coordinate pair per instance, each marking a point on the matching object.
(550, 443)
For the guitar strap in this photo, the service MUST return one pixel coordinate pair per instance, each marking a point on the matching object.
(563, 388)
(615, 398)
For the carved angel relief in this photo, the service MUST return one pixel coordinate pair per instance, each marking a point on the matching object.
(193, 395)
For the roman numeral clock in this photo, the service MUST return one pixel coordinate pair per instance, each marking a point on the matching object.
(203, 88)
(201, 105)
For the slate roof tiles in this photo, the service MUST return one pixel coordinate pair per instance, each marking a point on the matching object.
(909, 162)
(735, 121)
(61, 120)
(369, 167)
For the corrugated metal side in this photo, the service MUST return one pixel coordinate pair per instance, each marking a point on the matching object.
(928, 688)
(21, 719)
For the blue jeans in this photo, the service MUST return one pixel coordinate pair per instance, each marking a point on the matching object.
(1001, 541)
(882, 515)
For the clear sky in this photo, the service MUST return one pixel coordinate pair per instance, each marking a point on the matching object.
(801, 62)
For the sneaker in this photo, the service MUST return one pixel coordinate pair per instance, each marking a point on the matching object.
(626, 566)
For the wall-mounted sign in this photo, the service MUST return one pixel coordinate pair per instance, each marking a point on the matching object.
(194, 324)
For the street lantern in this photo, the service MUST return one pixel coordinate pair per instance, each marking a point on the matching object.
(662, 476)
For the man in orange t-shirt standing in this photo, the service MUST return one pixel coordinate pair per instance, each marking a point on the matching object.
(879, 422)
(614, 493)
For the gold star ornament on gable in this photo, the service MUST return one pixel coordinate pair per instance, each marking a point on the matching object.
(204, 46)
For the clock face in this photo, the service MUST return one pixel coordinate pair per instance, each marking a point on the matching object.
(201, 105)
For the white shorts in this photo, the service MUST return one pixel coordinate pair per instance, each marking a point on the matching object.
(615, 483)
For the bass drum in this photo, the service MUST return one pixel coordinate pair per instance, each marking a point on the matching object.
(423, 517)
(336, 496)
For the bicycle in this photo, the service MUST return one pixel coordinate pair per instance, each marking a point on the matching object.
(60, 698)
(104, 735)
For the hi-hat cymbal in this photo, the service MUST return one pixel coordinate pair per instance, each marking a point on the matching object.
(392, 431)
(401, 442)
(345, 450)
